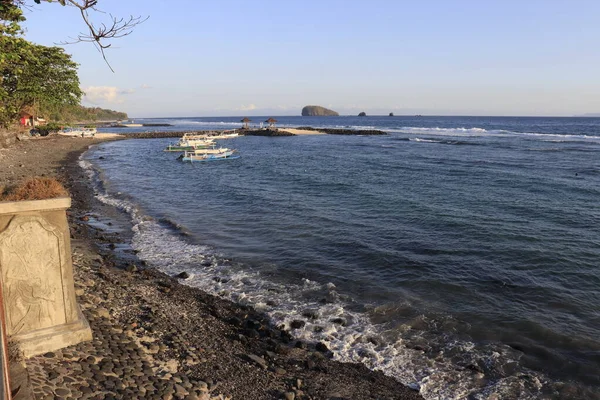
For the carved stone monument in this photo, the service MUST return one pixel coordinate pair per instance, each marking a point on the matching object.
(37, 276)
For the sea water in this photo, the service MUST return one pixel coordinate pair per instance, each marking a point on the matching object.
(457, 254)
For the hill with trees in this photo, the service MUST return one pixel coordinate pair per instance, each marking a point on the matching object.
(314, 111)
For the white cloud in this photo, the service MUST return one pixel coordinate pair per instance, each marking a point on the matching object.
(248, 107)
(105, 94)
(145, 86)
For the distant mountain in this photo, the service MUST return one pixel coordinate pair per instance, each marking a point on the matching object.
(318, 111)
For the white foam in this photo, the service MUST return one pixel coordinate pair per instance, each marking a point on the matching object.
(423, 140)
(167, 251)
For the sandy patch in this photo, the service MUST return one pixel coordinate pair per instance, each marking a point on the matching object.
(302, 131)
(107, 135)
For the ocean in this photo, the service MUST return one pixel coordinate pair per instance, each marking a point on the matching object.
(459, 255)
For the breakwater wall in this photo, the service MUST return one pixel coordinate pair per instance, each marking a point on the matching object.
(159, 135)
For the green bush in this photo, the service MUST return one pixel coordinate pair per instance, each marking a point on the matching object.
(44, 130)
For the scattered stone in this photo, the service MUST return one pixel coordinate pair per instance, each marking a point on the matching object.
(257, 360)
(290, 395)
(131, 268)
(300, 345)
(322, 347)
(311, 314)
(182, 275)
(297, 324)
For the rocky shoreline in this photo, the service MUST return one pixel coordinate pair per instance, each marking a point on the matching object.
(155, 338)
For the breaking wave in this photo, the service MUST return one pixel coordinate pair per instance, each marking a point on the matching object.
(415, 353)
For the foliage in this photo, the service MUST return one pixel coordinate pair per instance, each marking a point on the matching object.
(10, 53)
(32, 77)
(45, 130)
(100, 34)
(82, 114)
(48, 80)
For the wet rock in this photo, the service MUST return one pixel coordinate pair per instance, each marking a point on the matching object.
(322, 347)
(300, 345)
(253, 324)
(311, 314)
(297, 324)
(475, 367)
(340, 321)
(182, 275)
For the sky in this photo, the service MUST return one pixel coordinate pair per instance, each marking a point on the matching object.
(431, 57)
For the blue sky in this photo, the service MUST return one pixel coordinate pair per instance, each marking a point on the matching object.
(218, 58)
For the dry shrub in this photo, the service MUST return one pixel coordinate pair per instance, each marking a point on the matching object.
(37, 188)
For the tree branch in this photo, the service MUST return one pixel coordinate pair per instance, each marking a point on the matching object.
(100, 35)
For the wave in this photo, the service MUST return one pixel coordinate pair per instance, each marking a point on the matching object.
(416, 353)
(212, 123)
(481, 132)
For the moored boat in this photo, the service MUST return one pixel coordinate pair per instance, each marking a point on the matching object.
(201, 155)
(190, 145)
(78, 132)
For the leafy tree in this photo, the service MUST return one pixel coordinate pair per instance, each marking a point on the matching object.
(48, 80)
(100, 34)
(41, 77)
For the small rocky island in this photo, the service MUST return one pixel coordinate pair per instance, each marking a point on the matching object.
(318, 111)
(362, 114)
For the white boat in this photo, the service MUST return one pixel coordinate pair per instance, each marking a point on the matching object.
(189, 145)
(209, 151)
(198, 155)
(78, 132)
(210, 135)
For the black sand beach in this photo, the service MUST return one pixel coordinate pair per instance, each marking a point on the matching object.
(156, 338)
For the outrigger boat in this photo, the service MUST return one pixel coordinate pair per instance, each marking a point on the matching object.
(209, 155)
(190, 145)
(211, 135)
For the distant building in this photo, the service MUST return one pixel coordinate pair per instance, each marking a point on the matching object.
(27, 119)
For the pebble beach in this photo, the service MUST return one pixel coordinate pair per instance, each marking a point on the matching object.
(156, 338)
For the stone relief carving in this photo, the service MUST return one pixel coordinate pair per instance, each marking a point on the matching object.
(31, 263)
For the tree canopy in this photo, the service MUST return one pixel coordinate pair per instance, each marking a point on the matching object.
(33, 77)
(44, 79)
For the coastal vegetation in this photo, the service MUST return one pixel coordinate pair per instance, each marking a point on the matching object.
(42, 81)
(80, 113)
(318, 111)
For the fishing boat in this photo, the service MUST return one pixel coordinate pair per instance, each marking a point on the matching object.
(201, 155)
(190, 145)
(78, 132)
(211, 135)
